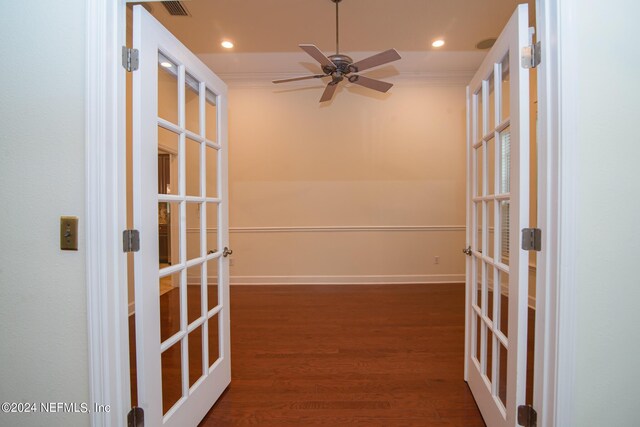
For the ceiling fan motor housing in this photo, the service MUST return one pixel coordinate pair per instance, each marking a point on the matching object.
(341, 62)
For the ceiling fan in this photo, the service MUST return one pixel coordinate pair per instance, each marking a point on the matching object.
(339, 66)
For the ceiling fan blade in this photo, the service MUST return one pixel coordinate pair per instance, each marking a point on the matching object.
(316, 54)
(293, 79)
(375, 60)
(374, 84)
(329, 91)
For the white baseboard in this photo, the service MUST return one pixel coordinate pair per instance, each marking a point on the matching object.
(347, 280)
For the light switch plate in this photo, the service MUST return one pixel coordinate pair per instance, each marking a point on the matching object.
(69, 233)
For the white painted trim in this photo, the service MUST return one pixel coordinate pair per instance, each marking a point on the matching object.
(398, 279)
(467, 244)
(348, 280)
(347, 228)
(335, 229)
(556, 283)
(105, 214)
(264, 80)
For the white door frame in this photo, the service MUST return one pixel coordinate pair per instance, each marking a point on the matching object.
(106, 273)
(556, 283)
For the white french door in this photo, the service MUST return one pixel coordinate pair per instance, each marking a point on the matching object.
(181, 270)
(497, 209)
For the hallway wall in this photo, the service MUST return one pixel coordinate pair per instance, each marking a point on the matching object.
(42, 171)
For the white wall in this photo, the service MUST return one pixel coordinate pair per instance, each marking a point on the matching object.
(43, 355)
(364, 160)
(600, 54)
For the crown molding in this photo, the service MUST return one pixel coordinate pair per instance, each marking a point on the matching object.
(260, 69)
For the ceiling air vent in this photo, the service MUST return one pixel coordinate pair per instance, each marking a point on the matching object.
(175, 8)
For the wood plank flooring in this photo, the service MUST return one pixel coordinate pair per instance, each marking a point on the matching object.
(383, 355)
(346, 356)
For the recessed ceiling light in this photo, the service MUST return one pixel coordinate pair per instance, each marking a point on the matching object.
(438, 43)
(227, 44)
(166, 64)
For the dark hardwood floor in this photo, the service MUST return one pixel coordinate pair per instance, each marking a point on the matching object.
(382, 355)
(347, 355)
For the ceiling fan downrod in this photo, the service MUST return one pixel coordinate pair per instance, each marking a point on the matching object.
(337, 2)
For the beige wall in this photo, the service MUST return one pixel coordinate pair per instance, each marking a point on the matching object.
(364, 160)
(43, 309)
(394, 163)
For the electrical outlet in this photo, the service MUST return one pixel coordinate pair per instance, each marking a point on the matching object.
(230, 262)
(436, 260)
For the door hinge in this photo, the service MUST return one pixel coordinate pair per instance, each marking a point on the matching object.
(130, 241)
(135, 418)
(531, 55)
(527, 416)
(531, 239)
(130, 59)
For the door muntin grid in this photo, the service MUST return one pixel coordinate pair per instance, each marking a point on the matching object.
(194, 221)
(488, 124)
(194, 393)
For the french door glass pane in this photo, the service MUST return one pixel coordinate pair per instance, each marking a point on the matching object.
(169, 306)
(213, 338)
(478, 276)
(478, 330)
(490, 228)
(479, 170)
(168, 233)
(491, 117)
(505, 93)
(490, 291)
(212, 171)
(192, 149)
(489, 366)
(167, 89)
(212, 281)
(168, 143)
(194, 293)
(193, 230)
(212, 227)
(478, 246)
(502, 374)
(211, 116)
(491, 167)
(195, 355)
(503, 309)
(505, 207)
(479, 117)
(505, 160)
(192, 103)
(171, 376)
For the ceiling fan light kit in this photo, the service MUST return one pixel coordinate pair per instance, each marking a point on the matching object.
(339, 66)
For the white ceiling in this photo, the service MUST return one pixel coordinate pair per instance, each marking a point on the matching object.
(266, 33)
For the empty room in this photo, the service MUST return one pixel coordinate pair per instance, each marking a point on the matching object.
(319, 212)
(311, 210)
